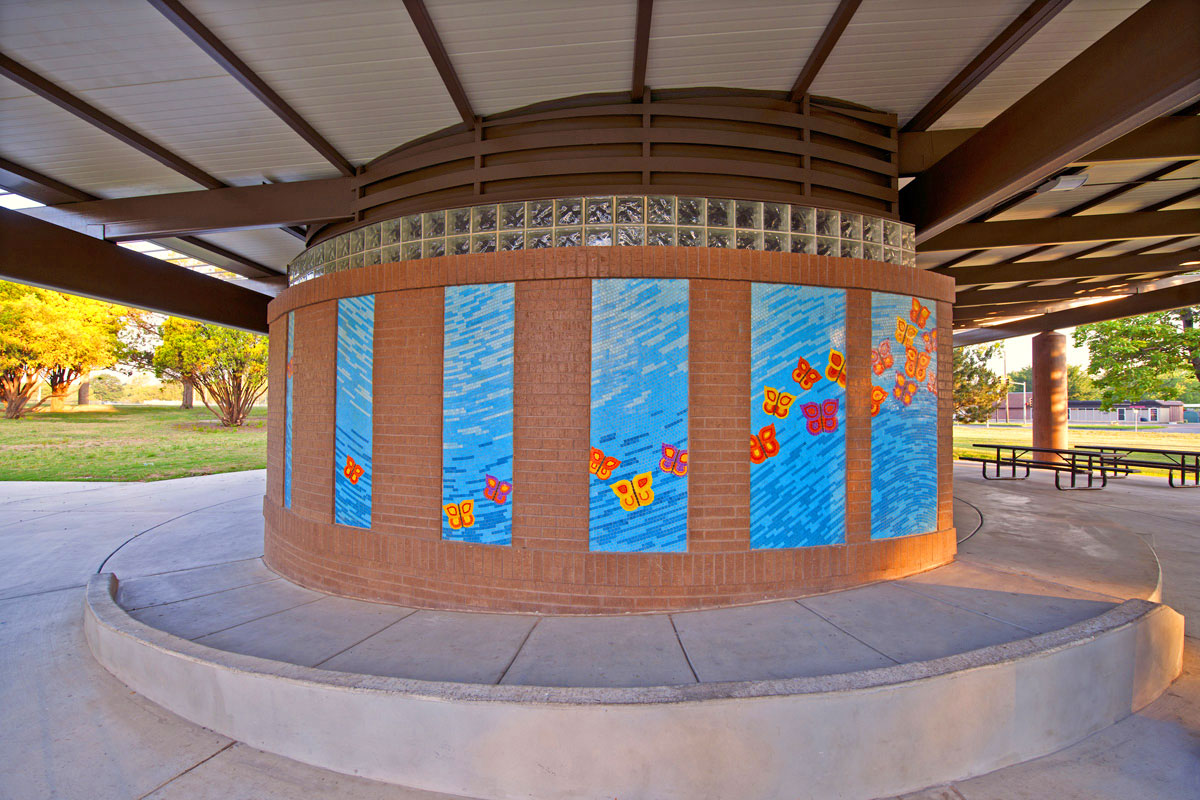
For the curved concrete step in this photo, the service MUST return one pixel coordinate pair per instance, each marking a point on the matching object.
(859, 734)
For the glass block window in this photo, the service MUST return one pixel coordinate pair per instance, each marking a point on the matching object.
(612, 221)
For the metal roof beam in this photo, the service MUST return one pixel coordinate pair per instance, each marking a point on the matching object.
(231, 209)
(1172, 137)
(641, 48)
(94, 116)
(1108, 90)
(1187, 294)
(1066, 230)
(207, 41)
(1026, 24)
(1070, 268)
(43, 254)
(36, 186)
(969, 299)
(441, 59)
(829, 37)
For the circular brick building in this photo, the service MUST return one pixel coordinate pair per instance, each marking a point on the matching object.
(598, 356)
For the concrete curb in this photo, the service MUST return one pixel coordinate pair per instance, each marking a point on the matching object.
(858, 735)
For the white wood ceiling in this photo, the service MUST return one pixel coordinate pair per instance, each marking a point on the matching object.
(358, 72)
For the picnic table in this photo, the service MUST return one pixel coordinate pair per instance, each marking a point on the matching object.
(1060, 461)
(1185, 462)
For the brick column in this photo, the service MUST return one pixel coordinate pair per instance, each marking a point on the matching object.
(945, 415)
(1050, 390)
(552, 371)
(314, 375)
(718, 416)
(858, 416)
(276, 406)
(407, 430)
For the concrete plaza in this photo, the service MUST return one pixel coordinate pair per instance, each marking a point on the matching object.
(187, 553)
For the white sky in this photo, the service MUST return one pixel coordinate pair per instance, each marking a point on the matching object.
(1020, 353)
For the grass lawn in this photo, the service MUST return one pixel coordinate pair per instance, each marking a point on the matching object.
(965, 436)
(128, 443)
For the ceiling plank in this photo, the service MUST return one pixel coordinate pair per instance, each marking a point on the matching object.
(43, 254)
(1187, 294)
(641, 48)
(218, 256)
(441, 59)
(1070, 268)
(829, 37)
(1108, 90)
(90, 114)
(230, 209)
(1025, 25)
(1066, 230)
(207, 41)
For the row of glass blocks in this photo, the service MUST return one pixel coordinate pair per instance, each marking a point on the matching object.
(622, 221)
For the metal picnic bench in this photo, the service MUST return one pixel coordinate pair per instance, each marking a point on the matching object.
(1073, 462)
(1185, 462)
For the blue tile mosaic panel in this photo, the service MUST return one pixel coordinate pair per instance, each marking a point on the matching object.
(639, 416)
(352, 439)
(798, 413)
(477, 414)
(287, 412)
(904, 416)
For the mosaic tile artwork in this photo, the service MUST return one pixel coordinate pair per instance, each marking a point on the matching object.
(477, 414)
(352, 441)
(287, 412)
(661, 220)
(904, 416)
(639, 416)
(798, 413)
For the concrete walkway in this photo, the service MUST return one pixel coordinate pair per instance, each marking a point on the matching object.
(76, 731)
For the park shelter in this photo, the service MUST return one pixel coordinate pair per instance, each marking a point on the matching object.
(629, 307)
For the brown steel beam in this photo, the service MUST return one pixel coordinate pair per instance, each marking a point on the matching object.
(829, 37)
(90, 114)
(1070, 268)
(26, 182)
(207, 41)
(43, 254)
(1036, 294)
(1159, 139)
(1170, 137)
(235, 208)
(1026, 24)
(1143, 68)
(44, 189)
(1187, 294)
(641, 48)
(441, 59)
(1065, 230)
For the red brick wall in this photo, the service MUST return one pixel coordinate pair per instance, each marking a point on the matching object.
(549, 568)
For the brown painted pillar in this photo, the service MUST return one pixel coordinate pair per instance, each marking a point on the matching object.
(85, 390)
(1050, 390)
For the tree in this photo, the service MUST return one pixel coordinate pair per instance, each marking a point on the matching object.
(227, 367)
(1135, 358)
(977, 390)
(53, 337)
(139, 341)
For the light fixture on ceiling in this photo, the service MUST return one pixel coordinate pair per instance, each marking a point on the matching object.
(1063, 183)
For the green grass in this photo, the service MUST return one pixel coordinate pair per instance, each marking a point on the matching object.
(128, 443)
(965, 436)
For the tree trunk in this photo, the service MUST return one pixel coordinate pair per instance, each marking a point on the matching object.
(188, 394)
(85, 392)
(58, 400)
